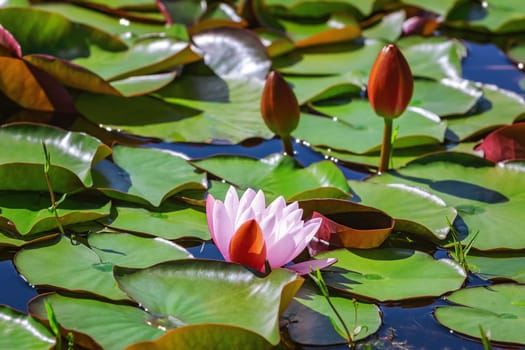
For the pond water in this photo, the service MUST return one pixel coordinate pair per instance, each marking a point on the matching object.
(408, 325)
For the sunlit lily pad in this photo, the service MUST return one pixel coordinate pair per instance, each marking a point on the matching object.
(497, 107)
(392, 274)
(488, 199)
(108, 326)
(498, 266)
(276, 175)
(20, 331)
(309, 318)
(72, 155)
(415, 211)
(356, 128)
(146, 175)
(170, 221)
(73, 266)
(27, 213)
(204, 336)
(499, 309)
(196, 292)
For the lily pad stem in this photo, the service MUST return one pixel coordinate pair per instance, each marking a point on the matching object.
(386, 147)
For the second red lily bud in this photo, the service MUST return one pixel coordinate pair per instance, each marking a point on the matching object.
(390, 84)
(280, 109)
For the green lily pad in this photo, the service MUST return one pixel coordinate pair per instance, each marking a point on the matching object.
(356, 128)
(388, 29)
(146, 175)
(132, 251)
(143, 84)
(434, 57)
(170, 221)
(72, 156)
(20, 331)
(70, 266)
(76, 267)
(28, 213)
(489, 199)
(277, 175)
(461, 96)
(497, 107)
(390, 274)
(219, 337)
(41, 31)
(197, 292)
(440, 7)
(310, 89)
(309, 8)
(107, 326)
(414, 210)
(310, 319)
(499, 309)
(497, 266)
(148, 55)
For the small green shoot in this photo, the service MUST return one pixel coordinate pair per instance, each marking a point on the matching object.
(485, 338)
(460, 253)
(345, 333)
(53, 323)
(54, 203)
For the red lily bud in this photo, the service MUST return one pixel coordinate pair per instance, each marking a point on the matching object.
(390, 84)
(247, 245)
(279, 106)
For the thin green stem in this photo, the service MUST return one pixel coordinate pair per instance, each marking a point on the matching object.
(386, 147)
(47, 166)
(287, 145)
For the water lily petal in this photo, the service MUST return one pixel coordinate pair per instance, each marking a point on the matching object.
(306, 267)
(223, 229)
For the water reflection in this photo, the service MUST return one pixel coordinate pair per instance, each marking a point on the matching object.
(15, 292)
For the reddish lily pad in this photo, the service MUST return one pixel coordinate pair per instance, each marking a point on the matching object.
(8, 44)
(504, 144)
(348, 224)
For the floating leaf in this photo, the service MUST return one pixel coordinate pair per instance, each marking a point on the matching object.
(19, 331)
(146, 56)
(415, 211)
(355, 127)
(8, 44)
(488, 199)
(310, 319)
(392, 274)
(496, 108)
(170, 221)
(72, 156)
(143, 84)
(505, 143)
(70, 74)
(348, 224)
(188, 292)
(497, 266)
(499, 309)
(76, 267)
(28, 213)
(146, 175)
(107, 326)
(32, 88)
(276, 175)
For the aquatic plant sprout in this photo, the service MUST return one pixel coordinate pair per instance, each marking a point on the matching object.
(247, 231)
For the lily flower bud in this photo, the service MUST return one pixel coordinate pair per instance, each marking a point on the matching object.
(390, 84)
(279, 106)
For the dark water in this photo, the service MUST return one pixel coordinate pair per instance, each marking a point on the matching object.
(406, 325)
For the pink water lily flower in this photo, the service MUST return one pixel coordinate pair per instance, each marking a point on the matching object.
(247, 232)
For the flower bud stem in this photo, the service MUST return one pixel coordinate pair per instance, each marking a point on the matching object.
(386, 147)
(287, 145)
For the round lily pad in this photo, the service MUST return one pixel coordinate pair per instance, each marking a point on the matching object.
(392, 274)
(498, 309)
